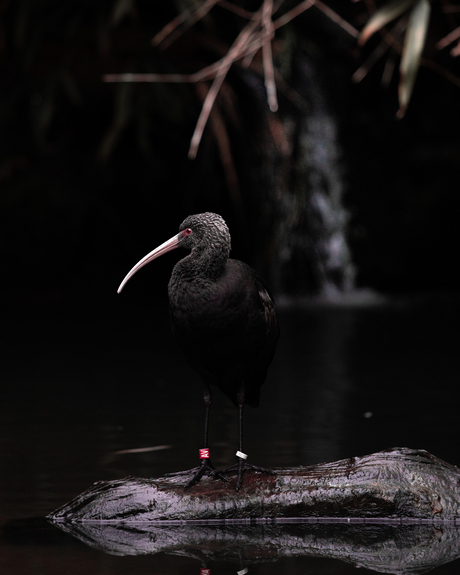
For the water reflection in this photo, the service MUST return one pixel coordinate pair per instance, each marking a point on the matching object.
(385, 548)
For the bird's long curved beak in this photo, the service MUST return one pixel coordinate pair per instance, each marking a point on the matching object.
(169, 245)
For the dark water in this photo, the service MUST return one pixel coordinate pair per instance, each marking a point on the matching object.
(82, 382)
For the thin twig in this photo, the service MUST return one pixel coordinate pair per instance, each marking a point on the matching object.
(267, 23)
(236, 9)
(169, 28)
(441, 71)
(337, 19)
(258, 33)
(374, 56)
(291, 14)
(172, 78)
(305, 5)
(186, 19)
(451, 37)
(238, 51)
(223, 142)
(388, 71)
(225, 64)
(389, 40)
(250, 46)
(204, 115)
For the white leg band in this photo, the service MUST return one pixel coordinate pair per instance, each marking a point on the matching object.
(241, 455)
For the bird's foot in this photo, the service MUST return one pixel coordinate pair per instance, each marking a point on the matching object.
(205, 469)
(240, 467)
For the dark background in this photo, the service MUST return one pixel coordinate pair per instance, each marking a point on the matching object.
(94, 175)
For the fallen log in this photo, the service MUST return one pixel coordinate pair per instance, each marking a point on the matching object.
(399, 484)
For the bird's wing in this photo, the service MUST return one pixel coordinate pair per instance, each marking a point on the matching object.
(267, 343)
(268, 306)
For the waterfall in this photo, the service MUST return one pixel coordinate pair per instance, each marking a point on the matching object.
(310, 253)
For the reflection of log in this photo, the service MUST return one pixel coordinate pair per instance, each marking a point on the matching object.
(398, 484)
(386, 548)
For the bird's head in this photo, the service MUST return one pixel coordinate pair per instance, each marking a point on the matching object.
(205, 231)
(198, 233)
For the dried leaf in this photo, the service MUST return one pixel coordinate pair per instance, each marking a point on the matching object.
(414, 42)
(382, 16)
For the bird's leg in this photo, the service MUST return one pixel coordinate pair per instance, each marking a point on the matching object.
(207, 408)
(241, 466)
(205, 467)
(240, 446)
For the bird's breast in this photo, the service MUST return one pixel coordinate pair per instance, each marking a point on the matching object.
(201, 307)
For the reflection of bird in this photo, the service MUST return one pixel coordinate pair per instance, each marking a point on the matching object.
(223, 319)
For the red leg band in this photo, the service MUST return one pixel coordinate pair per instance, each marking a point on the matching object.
(204, 453)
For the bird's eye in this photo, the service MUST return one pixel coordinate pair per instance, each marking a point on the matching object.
(187, 232)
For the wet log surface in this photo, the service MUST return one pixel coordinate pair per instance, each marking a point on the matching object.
(399, 484)
(393, 512)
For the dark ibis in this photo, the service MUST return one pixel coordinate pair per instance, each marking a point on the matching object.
(224, 321)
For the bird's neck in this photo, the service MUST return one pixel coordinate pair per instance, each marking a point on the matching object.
(202, 265)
